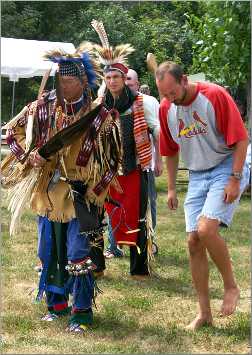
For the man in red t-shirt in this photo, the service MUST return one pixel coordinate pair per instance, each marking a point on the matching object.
(202, 121)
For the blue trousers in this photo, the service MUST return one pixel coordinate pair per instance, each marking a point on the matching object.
(58, 244)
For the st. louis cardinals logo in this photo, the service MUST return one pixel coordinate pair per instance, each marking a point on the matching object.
(197, 127)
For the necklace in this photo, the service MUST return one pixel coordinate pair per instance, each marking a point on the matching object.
(74, 113)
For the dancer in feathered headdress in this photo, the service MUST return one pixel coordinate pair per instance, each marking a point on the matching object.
(129, 221)
(65, 151)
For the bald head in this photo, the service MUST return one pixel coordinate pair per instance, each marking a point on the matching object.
(132, 80)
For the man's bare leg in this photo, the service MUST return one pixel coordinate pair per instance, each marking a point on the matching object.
(208, 231)
(200, 275)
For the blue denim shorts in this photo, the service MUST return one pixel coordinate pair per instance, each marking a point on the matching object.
(206, 192)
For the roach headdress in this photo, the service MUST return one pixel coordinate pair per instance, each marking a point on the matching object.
(81, 63)
(109, 57)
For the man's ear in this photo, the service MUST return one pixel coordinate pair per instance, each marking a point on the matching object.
(184, 79)
(83, 81)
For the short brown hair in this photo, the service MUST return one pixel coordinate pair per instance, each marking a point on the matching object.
(169, 67)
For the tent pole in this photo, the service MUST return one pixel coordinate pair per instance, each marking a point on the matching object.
(13, 98)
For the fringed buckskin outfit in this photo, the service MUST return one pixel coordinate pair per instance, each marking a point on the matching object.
(130, 218)
(68, 248)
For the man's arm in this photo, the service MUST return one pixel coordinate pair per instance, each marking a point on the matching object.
(15, 134)
(239, 155)
(16, 139)
(232, 189)
(172, 168)
(231, 126)
(151, 114)
(158, 163)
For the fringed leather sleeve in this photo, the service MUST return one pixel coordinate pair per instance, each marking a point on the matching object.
(16, 137)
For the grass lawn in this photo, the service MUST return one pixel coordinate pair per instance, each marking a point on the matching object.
(132, 317)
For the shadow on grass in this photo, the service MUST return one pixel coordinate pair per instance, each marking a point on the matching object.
(170, 335)
(114, 322)
(169, 285)
(179, 284)
(172, 260)
(246, 196)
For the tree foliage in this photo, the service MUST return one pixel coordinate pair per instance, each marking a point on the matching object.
(221, 42)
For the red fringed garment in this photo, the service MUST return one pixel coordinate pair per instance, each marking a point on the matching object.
(126, 217)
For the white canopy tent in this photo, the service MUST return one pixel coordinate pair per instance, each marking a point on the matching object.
(22, 58)
(197, 77)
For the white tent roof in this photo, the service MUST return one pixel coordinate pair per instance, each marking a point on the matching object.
(22, 58)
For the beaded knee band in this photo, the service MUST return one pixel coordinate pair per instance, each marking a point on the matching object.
(94, 233)
(81, 268)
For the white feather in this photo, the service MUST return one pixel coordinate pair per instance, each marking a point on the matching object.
(29, 130)
(98, 26)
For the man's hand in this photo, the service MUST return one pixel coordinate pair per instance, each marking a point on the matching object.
(158, 170)
(232, 190)
(172, 200)
(36, 160)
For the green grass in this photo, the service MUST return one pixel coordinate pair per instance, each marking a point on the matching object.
(131, 317)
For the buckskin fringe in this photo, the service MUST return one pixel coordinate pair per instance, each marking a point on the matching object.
(150, 235)
(19, 196)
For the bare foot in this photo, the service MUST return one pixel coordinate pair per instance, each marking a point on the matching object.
(230, 300)
(199, 322)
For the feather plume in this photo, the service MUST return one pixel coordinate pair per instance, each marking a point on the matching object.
(89, 48)
(121, 52)
(98, 26)
(57, 55)
(85, 46)
(89, 69)
(104, 55)
(107, 54)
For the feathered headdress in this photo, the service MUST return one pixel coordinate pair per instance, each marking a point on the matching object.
(111, 58)
(81, 62)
